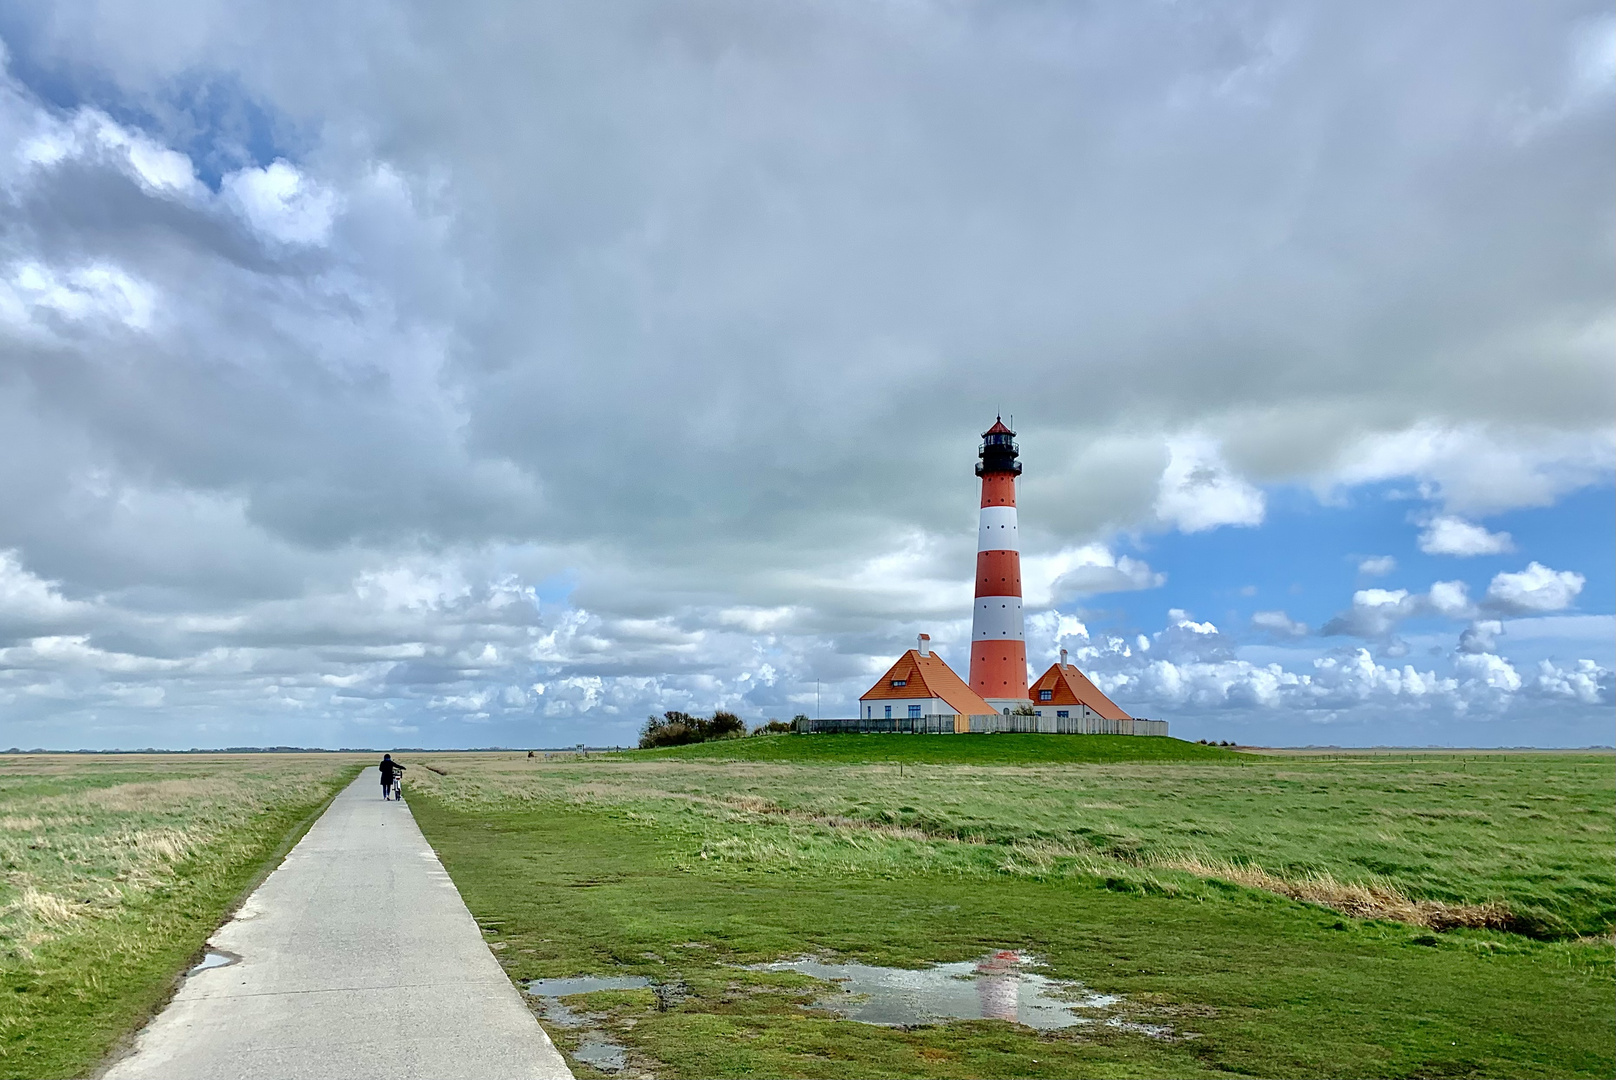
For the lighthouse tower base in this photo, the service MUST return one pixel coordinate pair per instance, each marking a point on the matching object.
(1009, 705)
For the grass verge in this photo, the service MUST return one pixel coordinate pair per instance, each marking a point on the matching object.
(116, 870)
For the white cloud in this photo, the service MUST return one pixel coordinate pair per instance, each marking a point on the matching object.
(282, 203)
(409, 587)
(1477, 470)
(1481, 636)
(1489, 670)
(1569, 631)
(1483, 682)
(1279, 623)
(1377, 565)
(1374, 613)
(1335, 682)
(1586, 682)
(1594, 57)
(1450, 598)
(1356, 676)
(1082, 571)
(476, 702)
(1178, 618)
(90, 133)
(1536, 589)
(1054, 628)
(28, 599)
(1197, 490)
(914, 576)
(96, 291)
(1455, 536)
(758, 620)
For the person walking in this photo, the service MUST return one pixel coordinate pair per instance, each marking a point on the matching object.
(389, 768)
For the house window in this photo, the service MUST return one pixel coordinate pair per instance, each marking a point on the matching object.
(869, 711)
(914, 712)
(1062, 714)
(889, 712)
(1046, 695)
(900, 682)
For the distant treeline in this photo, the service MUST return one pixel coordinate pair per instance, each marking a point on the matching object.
(679, 729)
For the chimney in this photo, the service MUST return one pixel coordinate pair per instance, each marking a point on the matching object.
(923, 646)
(1063, 659)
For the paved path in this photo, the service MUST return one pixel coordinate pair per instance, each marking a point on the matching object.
(358, 959)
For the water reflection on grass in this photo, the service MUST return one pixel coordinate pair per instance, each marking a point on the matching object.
(999, 986)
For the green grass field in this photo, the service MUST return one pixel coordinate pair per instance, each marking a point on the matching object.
(116, 870)
(1216, 892)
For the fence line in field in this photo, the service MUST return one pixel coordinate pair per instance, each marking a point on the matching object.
(1086, 723)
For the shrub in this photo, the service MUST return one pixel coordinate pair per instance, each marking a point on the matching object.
(723, 725)
(773, 727)
(669, 729)
(677, 729)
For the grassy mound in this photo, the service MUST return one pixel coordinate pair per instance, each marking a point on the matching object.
(1002, 749)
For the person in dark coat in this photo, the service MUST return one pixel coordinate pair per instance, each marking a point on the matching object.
(389, 768)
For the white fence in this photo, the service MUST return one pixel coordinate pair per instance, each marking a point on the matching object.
(1085, 723)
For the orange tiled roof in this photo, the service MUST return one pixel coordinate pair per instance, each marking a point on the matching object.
(1069, 686)
(927, 677)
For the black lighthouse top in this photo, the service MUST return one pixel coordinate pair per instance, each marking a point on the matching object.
(999, 451)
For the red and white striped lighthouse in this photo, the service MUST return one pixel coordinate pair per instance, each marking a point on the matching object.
(998, 638)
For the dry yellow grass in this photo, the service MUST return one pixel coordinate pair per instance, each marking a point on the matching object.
(113, 871)
(1360, 900)
(122, 827)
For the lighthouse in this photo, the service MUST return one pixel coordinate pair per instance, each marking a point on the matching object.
(998, 638)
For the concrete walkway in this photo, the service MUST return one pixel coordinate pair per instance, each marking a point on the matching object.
(358, 959)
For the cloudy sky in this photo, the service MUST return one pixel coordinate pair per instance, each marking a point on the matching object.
(380, 374)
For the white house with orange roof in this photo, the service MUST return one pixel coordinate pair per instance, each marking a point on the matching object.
(1065, 700)
(921, 686)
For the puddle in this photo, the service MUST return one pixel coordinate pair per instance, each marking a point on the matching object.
(601, 1053)
(214, 958)
(998, 986)
(597, 1049)
(551, 991)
